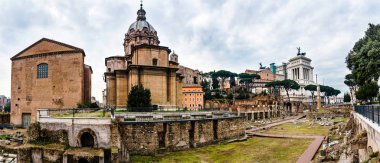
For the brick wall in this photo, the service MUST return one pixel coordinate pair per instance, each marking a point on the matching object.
(148, 137)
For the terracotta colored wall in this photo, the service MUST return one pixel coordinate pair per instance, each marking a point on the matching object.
(62, 89)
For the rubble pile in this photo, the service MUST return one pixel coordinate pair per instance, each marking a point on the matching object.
(344, 143)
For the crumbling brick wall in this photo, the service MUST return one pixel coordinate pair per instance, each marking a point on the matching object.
(177, 135)
(231, 127)
(148, 137)
(140, 138)
(203, 133)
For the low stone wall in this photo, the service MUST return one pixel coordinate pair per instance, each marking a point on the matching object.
(99, 128)
(372, 129)
(149, 137)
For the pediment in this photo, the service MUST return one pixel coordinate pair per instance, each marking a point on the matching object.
(44, 46)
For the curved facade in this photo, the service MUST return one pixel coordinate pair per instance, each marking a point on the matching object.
(145, 63)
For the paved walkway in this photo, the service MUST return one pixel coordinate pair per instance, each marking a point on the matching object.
(309, 153)
(269, 125)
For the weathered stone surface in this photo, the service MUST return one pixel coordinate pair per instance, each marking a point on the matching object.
(149, 137)
(63, 88)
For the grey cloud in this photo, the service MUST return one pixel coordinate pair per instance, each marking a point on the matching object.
(207, 35)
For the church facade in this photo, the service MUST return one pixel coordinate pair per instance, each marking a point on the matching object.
(48, 74)
(147, 63)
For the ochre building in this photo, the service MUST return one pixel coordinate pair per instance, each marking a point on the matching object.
(192, 97)
(192, 93)
(48, 74)
(146, 63)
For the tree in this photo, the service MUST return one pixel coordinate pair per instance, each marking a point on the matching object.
(7, 108)
(223, 75)
(274, 87)
(328, 91)
(350, 82)
(205, 85)
(312, 88)
(288, 85)
(139, 99)
(368, 91)
(215, 82)
(230, 96)
(248, 80)
(364, 58)
(347, 97)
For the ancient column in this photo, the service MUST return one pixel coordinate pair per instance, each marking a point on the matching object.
(318, 97)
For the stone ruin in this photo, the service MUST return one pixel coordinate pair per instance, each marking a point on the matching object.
(103, 140)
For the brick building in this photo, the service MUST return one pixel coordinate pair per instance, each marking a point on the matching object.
(192, 97)
(192, 93)
(48, 74)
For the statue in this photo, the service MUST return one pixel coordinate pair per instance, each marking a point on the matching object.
(261, 66)
(299, 52)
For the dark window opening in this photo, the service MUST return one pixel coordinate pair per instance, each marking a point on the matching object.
(42, 70)
(154, 62)
(195, 80)
(82, 160)
(87, 140)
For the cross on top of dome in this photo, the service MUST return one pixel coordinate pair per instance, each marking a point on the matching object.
(141, 13)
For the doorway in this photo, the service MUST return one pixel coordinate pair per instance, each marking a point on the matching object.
(87, 140)
(26, 120)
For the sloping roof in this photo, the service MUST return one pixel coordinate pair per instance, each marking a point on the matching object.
(46, 46)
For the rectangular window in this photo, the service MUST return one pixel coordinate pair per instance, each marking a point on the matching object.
(42, 70)
(154, 62)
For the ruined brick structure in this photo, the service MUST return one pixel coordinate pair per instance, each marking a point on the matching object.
(148, 137)
(103, 140)
(48, 74)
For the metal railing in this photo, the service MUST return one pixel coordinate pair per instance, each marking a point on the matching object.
(372, 112)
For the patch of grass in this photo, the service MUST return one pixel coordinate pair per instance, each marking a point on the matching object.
(340, 119)
(303, 129)
(256, 149)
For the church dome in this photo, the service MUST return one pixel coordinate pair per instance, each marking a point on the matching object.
(140, 25)
(140, 32)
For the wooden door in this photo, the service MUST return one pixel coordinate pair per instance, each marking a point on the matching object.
(26, 120)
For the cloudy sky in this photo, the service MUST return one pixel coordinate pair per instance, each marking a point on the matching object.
(208, 35)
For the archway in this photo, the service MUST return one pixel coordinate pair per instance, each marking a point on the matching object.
(87, 140)
(82, 160)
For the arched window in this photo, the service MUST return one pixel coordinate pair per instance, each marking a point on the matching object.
(42, 70)
(154, 62)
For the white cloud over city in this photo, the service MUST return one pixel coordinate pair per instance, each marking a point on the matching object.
(207, 35)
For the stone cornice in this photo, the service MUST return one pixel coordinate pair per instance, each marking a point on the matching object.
(52, 41)
(48, 54)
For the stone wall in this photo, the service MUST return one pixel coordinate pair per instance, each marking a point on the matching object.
(63, 88)
(99, 128)
(148, 137)
(372, 129)
(229, 128)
